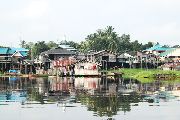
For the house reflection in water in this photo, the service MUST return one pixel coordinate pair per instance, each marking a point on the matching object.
(87, 83)
(104, 96)
(11, 90)
(162, 92)
(60, 84)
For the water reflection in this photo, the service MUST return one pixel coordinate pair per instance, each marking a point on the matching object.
(104, 96)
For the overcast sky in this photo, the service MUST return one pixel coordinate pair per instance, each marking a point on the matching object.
(37, 20)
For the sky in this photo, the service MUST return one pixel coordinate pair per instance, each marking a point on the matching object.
(73, 20)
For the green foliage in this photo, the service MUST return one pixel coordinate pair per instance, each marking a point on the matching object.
(1, 73)
(176, 46)
(108, 105)
(143, 75)
(52, 44)
(22, 43)
(102, 39)
(108, 39)
(148, 45)
(35, 96)
(38, 47)
(136, 46)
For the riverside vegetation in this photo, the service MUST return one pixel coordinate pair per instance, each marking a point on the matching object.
(144, 75)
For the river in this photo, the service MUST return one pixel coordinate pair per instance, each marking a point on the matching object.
(68, 98)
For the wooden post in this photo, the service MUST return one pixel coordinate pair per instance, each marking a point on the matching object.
(25, 69)
(31, 68)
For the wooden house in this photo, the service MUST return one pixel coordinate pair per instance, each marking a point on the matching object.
(51, 55)
(12, 58)
(105, 58)
(103, 55)
(173, 53)
(156, 49)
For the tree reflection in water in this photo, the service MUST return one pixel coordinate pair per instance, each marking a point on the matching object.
(108, 105)
(105, 97)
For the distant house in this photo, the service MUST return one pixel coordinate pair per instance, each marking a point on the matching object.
(11, 58)
(51, 55)
(146, 60)
(68, 47)
(81, 56)
(105, 58)
(103, 55)
(125, 57)
(56, 53)
(173, 53)
(156, 49)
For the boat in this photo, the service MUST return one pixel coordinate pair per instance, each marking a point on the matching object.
(86, 69)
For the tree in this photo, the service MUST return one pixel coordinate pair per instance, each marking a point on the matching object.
(166, 46)
(112, 38)
(73, 44)
(84, 47)
(39, 47)
(52, 44)
(29, 46)
(124, 43)
(22, 43)
(103, 39)
(148, 45)
(176, 46)
(136, 46)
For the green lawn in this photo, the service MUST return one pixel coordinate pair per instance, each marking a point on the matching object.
(143, 75)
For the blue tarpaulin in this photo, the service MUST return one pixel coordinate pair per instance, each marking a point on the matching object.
(13, 71)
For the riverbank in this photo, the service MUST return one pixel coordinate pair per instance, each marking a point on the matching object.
(126, 73)
(144, 75)
(24, 75)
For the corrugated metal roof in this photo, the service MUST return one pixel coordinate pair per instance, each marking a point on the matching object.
(59, 51)
(3, 50)
(20, 49)
(157, 47)
(162, 49)
(154, 47)
(23, 53)
(12, 50)
(68, 47)
(65, 46)
(169, 51)
(125, 55)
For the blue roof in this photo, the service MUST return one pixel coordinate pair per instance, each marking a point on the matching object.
(167, 52)
(23, 53)
(13, 50)
(67, 47)
(162, 49)
(154, 47)
(19, 96)
(19, 49)
(157, 47)
(3, 50)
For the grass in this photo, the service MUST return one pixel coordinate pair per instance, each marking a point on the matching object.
(1, 73)
(143, 75)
